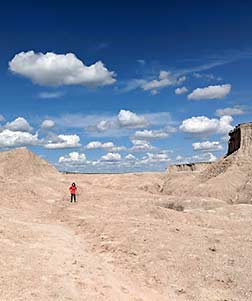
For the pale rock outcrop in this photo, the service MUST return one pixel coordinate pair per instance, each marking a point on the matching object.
(188, 167)
(228, 179)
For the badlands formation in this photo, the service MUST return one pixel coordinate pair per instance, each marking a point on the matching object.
(181, 235)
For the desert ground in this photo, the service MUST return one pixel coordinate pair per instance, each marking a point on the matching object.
(128, 236)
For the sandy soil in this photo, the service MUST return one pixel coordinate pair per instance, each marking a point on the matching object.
(122, 240)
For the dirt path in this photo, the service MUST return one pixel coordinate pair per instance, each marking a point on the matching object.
(50, 261)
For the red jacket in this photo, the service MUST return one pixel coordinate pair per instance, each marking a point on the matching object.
(73, 189)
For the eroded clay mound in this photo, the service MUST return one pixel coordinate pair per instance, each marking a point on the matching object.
(228, 179)
(28, 181)
(21, 163)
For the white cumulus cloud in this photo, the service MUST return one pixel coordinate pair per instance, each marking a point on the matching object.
(181, 90)
(141, 145)
(19, 124)
(10, 138)
(131, 120)
(64, 141)
(124, 119)
(130, 157)
(165, 79)
(106, 145)
(229, 111)
(105, 125)
(98, 144)
(113, 125)
(203, 125)
(60, 69)
(118, 148)
(207, 146)
(203, 157)
(152, 158)
(47, 124)
(111, 157)
(210, 92)
(73, 158)
(154, 134)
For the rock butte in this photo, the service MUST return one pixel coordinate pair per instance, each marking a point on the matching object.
(228, 179)
(240, 139)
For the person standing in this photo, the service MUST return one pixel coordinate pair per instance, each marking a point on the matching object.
(73, 190)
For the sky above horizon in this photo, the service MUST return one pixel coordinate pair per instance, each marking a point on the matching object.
(112, 87)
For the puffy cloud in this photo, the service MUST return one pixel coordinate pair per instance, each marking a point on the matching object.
(165, 79)
(154, 134)
(124, 119)
(98, 144)
(131, 120)
(229, 111)
(181, 90)
(10, 138)
(118, 148)
(130, 157)
(107, 145)
(47, 124)
(141, 145)
(64, 141)
(108, 125)
(207, 146)
(210, 92)
(203, 157)
(111, 157)
(104, 125)
(73, 158)
(60, 69)
(203, 125)
(2, 118)
(152, 158)
(19, 124)
(225, 125)
(151, 134)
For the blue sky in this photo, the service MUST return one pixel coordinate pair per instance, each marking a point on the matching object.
(111, 87)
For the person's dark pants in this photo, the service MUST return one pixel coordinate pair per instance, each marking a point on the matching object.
(73, 197)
